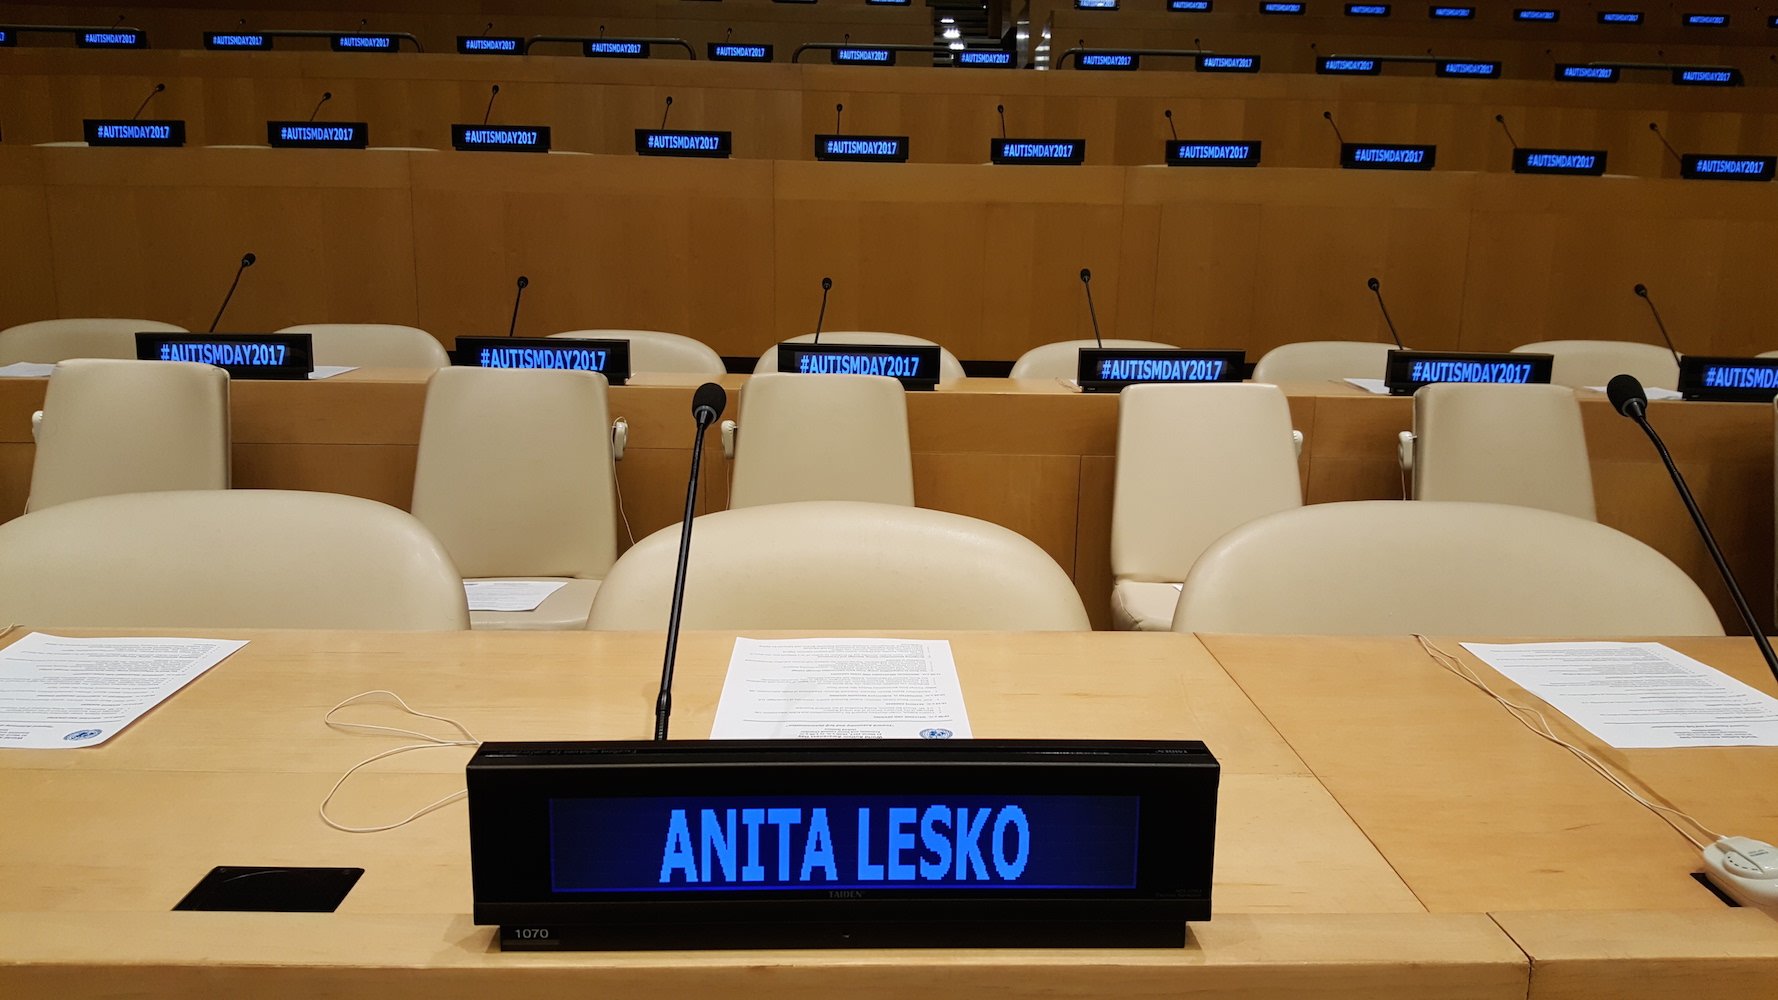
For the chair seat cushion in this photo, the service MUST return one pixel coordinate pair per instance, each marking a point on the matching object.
(1143, 607)
(565, 609)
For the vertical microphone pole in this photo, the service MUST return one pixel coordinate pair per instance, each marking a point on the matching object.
(1170, 126)
(246, 262)
(1509, 132)
(826, 286)
(707, 405)
(1642, 292)
(1376, 288)
(492, 93)
(524, 283)
(325, 97)
(1000, 109)
(1086, 282)
(139, 108)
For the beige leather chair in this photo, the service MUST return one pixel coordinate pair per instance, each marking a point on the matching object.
(1193, 461)
(1062, 359)
(373, 345)
(514, 476)
(654, 351)
(51, 340)
(1518, 444)
(112, 426)
(1582, 363)
(1393, 567)
(841, 565)
(1322, 360)
(822, 437)
(948, 366)
(226, 559)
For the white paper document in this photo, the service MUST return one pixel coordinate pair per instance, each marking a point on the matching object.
(26, 369)
(1375, 385)
(58, 693)
(1654, 392)
(841, 689)
(329, 371)
(1638, 694)
(509, 595)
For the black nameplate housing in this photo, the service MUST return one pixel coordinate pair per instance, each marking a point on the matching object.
(984, 58)
(245, 40)
(701, 844)
(1704, 167)
(862, 148)
(1620, 17)
(1583, 162)
(1367, 10)
(242, 355)
(8, 38)
(1109, 369)
(1062, 152)
(132, 132)
(490, 45)
(1706, 77)
(610, 358)
(615, 48)
(1096, 4)
(1191, 6)
(1107, 60)
(501, 138)
(730, 52)
(1540, 15)
(669, 142)
(1371, 156)
(1731, 380)
(861, 55)
(1472, 68)
(915, 366)
(104, 38)
(1282, 8)
(1200, 153)
(1347, 66)
(1451, 13)
(1574, 72)
(317, 135)
(1707, 20)
(1406, 371)
(1228, 64)
(365, 43)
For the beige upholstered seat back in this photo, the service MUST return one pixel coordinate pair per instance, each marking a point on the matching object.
(226, 559)
(1062, 359)
(1519, 444)
(373, 345)
(1321, 360)
(842, 565)
(1593, 362)
(514, 472)
(822, 437)
(654, 351)
(1392, 567)
(1193, 462)
(112, 426)
(948, 366)
(51, 340)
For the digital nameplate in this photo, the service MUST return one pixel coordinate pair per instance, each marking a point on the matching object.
(1281, 8)
(1707, 77)
(237, 40)
(1190, 6)
(1731, 380)
(1107, 369)
(1620, 17)
(1406, 371)
(1586, 74)
(317, 135)
(1195, 153)
(888, 3)
(610, 358)
(366, 43)
(915, 366)
(1095, 4)
(128, 132)
(1703, 167)
(1347, 65)
(1772, 21)
(1537, 14)
(614, 48)
(242, 355)
(1467, 67)
(1107, 60)
(8, 37)
(1228, 64)
(855, 56)
(1056, 152)
(991, 58)
(841, 843)
(1369, 156)
(1451, 13)
(490, 45)
(1367, 10)
(1587, 162)
(862, 148)
(729, 52)
(107, 39)
(501, 138)
(1707, 20)
(663, 142)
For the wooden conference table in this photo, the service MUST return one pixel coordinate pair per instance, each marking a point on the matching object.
(1384, 830)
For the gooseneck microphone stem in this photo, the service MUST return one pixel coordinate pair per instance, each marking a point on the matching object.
(707, 405)
(524, 283)
(493, 93)
(826, 286)
(1000, 109)
(666, 110)
(1170, 125)
(1509, 132)
(246, 262)
(325, 97)
(157, 89)
(1642, 293)
(837, 110)
(1086, 281)
(1336, 127)
(1376, 288)
(1656, 129)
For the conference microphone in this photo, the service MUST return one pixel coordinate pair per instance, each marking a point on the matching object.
(826, 286)
(246, 262)
(1086, 281)
(157, 89)
(1509, 132)
(1000, 109)
(492, 93)
(325, 97)
(837, 110)
(1170, 126)
(666, 111)
(707, 405)
(1628, 398)
(1376, 288)
(524, 283)
(1656, 129)
(1642, 290)
(1336, 127)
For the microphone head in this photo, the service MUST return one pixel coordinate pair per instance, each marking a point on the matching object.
(494, 90)
(524, 282)
(1168, 112)
(1327, 115)
(1625, 392)
(1085, 275)
(159, 87)
(839, 107)
(669, 100)
(1000, 109)
(1500, 118)
(247, 260)
(327, 95)
(710, 398)
(826, 284)
(1641, 290)
(1373, 284)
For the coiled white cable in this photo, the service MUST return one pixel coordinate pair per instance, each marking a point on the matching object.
(432, 742)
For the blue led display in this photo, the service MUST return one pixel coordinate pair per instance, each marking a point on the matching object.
(1740, 377)
(1367, 10)
(1340, 64)
(1051, 151)
(610, 48)
(1772, 21)
(1367, 156)
(1620, 17)
(1467, 68)
(577, 359)
(8, 37)
(726, 843)
(865, 148)
(501, 138)
(1582, 162)
(1162, 369)
(1587, 74)
(241, 355)
(860, 363)
(1187, 153)
(1228, 64)
(127, 132)
(888, 3)
(1095, 4)
(661, 142)
(1707, 77)
(1456, 13)
(1707, 20)
(1281, 8)
(1107, 60)
(863, 57)
(318, 135)
(1706, 167)
(236, 40)
(1190, 6)
(1537, 14)
(721, 52)
(982, 57)
(366, 43)
(485, 45)
(111, 40)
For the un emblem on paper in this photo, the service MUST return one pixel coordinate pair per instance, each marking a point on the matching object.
(87, 734)
(925, 734)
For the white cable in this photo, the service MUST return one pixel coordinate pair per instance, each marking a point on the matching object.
(1525, 713)
(432, 742)
(619, 490)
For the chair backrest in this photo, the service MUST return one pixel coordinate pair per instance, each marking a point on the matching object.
(1517, 444)
(822, 437)
(1394, 567)
(1582, 363)
(1194, 461)
(948, 366)
(113, 426)
(841, 565)
(514, 471)
(654, 351)
(373, 345)
(227, 559)
(1062, 359)
(1322, 360)
(51, 340)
